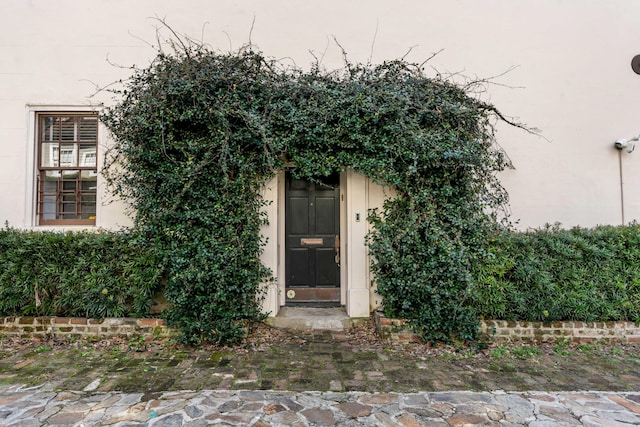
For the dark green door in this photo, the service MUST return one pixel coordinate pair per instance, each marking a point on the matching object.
(313, 244)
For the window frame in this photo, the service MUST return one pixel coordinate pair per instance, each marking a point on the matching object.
(65, 174)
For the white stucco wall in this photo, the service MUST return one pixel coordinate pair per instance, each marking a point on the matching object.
(572, 79)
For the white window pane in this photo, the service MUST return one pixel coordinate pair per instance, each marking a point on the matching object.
(49, 154)
(88, 155)
(68, 156)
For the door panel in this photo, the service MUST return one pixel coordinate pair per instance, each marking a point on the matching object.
(299, 213)
(325, 276)
(298, 271)
(325, 215)
(312, 228)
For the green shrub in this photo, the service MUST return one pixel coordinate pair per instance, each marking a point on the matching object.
(101, 274)
(555, 274)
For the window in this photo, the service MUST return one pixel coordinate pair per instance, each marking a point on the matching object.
(67, 175)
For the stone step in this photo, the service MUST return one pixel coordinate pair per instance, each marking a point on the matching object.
(306, 318)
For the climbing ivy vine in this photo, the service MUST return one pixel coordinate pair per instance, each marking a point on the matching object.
(198, 133)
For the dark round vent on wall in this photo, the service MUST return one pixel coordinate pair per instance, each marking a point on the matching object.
(635, 64)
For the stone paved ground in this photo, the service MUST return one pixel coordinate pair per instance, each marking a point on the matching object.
(42, 406)
(316, 378)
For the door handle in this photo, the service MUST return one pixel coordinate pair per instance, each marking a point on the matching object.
(337, 248)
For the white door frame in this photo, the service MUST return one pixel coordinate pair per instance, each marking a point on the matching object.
(354, 261)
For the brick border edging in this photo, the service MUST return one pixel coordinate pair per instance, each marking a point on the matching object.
(501, 331)
(392, 329)
(81, 327)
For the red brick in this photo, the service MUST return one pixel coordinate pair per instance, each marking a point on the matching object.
(148, 322)
(78, 320)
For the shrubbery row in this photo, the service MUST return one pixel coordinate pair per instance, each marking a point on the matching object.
(548, 274)
(555, 274)
(102, 274)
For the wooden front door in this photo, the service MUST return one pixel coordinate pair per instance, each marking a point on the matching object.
(312, 226)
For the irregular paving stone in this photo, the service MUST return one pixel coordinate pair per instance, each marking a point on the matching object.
(173, 420)
(252, 395)
(354, 409)
(293, 406)
(125, 415)
(625, 417)
(164, 408)
(65, 418)
(472, 408)
(495, 415)
(180, 395)
(286, 418)
(466, 419)
(322, 417)
(385, 420)
(539, 396)
(25, 423)
(460, 397)
(346, 409)
(551, 424)
(443, 408)
(109, 401)
(425, 412)
(520, 409)
(338, 397)
(414, 400)
(631, 406)
(273, 408)
(230, 406)
(558, 414)
(391, 409)
(193, 411)
(633, 397)
(238, 418)
(408, 420)
(253, 406)
(94, 418)
(589, 421)
(377, 399)
(11, 398)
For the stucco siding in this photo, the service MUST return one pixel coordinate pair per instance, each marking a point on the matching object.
(567, 70)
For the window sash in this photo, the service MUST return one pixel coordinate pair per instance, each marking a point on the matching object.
(67, 174)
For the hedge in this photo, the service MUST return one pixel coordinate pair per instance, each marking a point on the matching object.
(543, 275)
(90, 274)
(586, 274)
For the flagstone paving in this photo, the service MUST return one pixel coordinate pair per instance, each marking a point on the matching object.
(42, 406)
(345, 378)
